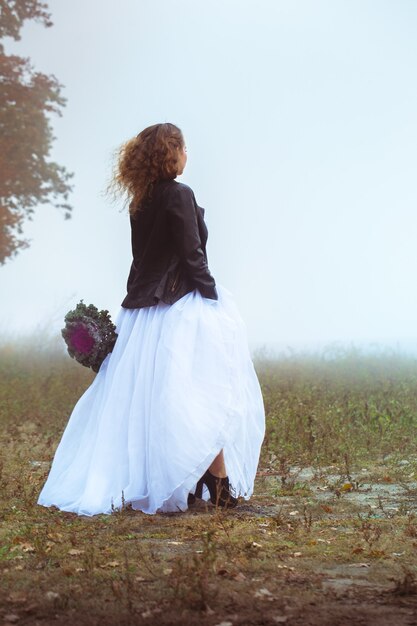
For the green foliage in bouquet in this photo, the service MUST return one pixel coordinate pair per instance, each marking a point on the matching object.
(89, 334)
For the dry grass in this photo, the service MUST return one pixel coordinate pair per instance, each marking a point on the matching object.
(332, 527)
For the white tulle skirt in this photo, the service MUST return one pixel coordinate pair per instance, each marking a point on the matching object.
(178, 387)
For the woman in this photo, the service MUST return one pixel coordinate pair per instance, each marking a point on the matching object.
(175, 411)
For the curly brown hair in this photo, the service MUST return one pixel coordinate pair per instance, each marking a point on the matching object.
(141, 161)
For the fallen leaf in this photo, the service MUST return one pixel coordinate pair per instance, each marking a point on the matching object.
(296, 554)
(326, 508)
(264, 594)
(150, 612)
(293, 513)
(110, 564)
(27, 547)
(51, 596)
(75, 552)
(12, 618)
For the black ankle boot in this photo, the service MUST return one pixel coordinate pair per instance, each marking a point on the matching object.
(219, 489)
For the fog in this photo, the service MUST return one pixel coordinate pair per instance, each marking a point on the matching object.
(301, 129)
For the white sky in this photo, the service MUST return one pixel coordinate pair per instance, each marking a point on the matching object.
(300, 119)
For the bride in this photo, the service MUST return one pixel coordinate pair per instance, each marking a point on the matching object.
(175, 412)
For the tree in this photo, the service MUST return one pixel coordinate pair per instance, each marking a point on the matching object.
(27, 97)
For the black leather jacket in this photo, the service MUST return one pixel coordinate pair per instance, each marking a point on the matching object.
(169, 239)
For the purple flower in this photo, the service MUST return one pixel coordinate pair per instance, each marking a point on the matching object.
(80, 339)
(89, 334)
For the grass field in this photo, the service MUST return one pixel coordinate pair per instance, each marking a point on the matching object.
(329, 537)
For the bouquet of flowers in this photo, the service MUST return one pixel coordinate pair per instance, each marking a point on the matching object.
(89, 334)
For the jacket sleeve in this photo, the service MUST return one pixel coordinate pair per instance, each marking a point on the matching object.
(183, 225)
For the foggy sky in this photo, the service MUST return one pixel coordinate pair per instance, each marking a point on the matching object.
(301, 129)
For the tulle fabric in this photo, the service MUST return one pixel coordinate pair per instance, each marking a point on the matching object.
(178, 387)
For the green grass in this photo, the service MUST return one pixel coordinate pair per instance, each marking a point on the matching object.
(347, 409)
